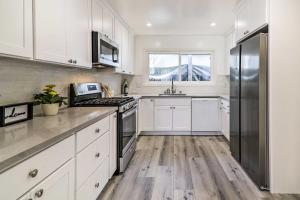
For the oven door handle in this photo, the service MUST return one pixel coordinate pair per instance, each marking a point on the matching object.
(129, 112)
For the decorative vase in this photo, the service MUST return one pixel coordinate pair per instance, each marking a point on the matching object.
(50, 109)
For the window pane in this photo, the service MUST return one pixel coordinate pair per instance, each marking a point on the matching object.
(184, 67)
(201, 67)
(163, 67)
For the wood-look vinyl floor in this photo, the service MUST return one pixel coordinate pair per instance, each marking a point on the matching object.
(184, 168)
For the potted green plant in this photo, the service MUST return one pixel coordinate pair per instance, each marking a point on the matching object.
(50, 100)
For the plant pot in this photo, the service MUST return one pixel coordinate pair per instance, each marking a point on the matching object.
(50, 109)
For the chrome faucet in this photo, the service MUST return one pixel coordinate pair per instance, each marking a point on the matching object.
(173, 90)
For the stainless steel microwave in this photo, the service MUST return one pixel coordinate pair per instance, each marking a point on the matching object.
(105, 52)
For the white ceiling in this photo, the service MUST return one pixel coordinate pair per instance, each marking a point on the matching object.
(176, 16)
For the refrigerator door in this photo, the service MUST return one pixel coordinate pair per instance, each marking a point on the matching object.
(254, 137)
(235, 102)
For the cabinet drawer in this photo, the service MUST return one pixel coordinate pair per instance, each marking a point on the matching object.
(91, 133)
(18, 180)
(91, 157)
(173, 102)
(95, 183)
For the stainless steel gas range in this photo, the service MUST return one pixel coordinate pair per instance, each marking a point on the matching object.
(90, 95)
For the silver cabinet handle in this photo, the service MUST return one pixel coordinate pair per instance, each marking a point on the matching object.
(97, 155)
(33, 173)
(171, 107)
(75, 61)
(97, 130)
(39, 193)
(115, 116)
(97, 185)
(70, 61)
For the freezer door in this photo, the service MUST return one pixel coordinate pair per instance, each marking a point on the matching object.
(235, 103)
(254, 138)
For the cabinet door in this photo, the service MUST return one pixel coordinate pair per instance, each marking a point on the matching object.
(163, 118)
(97, 12)
(242, 20)
(113, 145)
(59, 185)
(226, 125)
(146, 115)
(16, 28)
(182, 118)
(124, 51)
(118, 40)
(131, 52)
(259, 17)
(79, 32)
(108, 23)
(50, 30)
(205, 115)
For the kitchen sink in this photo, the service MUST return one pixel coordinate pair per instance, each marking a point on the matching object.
(177, 94)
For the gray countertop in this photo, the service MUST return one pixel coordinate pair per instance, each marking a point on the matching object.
(180, 96)
(21, 141)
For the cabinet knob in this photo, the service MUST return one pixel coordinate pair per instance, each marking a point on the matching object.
(97, 130)
(97, 155)
(33, 173)
(246, 32)
(75, 61)
(97, 185)
(39, 193)
(70, 61)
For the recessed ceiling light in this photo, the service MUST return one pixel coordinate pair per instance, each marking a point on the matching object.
(213, 24)
(149, 24)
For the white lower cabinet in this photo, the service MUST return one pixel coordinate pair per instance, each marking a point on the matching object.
(95, 183)
(205, 115)
(182, 118)
(113, 144)
(225, 118)
(163, 118)
(31, 172)
(97, 161)
(146, 115)
(172, 114)
(59, 185)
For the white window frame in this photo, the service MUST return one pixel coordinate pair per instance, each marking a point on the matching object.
(182, 83)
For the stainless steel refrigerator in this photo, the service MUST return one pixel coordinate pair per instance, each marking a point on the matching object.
(249, 108)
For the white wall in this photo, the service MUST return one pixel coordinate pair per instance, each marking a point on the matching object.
(285, 96)
(20, 79)
(144, 44)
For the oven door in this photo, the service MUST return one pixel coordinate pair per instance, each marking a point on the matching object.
(127, 129)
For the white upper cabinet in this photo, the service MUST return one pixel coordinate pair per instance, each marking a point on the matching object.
(131, 52)
(250, 16)
(118, 39)
(63, 37)
(258, 13)
(16, 28)
(108, 23)
(242, 20)
(125, 49)
(50, 30)
(79, 32)
(97, 16)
